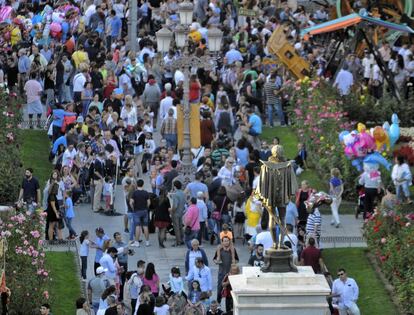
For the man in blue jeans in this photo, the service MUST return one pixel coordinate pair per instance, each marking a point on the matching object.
(273, 100)
(140, 202)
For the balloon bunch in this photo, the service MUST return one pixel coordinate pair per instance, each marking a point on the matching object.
(363, 146)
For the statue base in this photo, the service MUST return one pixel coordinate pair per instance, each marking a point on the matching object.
(279, 260)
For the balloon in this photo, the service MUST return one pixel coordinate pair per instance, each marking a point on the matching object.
(342, 134)
(394, 132)
(377, 158)
(349, 152)
(381, 138)
(358, 149)
(386, 126)
(361, 127)
(350, 139)
(317, 199)
(357, 164)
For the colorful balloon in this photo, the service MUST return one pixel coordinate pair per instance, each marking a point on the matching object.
(381, 139)
(342, 134)
(377, 158)
(394, 132)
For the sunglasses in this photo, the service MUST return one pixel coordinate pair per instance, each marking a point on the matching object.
(340, 274)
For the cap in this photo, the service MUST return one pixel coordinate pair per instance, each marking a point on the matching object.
(79, 120)
(100, 270)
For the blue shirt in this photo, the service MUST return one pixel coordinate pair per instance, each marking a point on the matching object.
(107, 262)
(291, 213)
(23, 64)
(99, 243)
(256, 123)
(233, 55)
(116, 25)
(58, 142)
(59, 115)
(70, 214)
(203, 276)
(195, 187)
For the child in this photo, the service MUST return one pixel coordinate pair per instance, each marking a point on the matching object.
(195, 292)
(226, 232)
(205, 300)
(300, 159)
(336, 188)
(69, 215)
(84, 252)
(161, 307)
(108, 190)
(176, 281)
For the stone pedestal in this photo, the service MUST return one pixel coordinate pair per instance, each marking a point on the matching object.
(288, 293)
(279, 260)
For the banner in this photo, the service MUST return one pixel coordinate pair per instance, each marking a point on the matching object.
(194, 126)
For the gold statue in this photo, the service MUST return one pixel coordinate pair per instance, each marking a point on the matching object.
(277, 183)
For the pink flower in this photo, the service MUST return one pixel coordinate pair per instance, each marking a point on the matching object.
(383, 240)
(35, 234)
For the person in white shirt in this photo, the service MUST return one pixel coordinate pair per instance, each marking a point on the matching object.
(108, 263)
(165, 104)
(345, 293)
(69, 156)
(367, 63)
(402, 177)
(293, 240)
(376, 81)
(344, 80)
(79, 81)
(226, 172)
(264, 238)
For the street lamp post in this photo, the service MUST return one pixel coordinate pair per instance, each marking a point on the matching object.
(185, 62)
(132, 25)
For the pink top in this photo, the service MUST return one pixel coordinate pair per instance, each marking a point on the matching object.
(33, 89)
(191, 218)
(153, 283)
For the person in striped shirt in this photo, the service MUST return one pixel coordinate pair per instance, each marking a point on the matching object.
(313, 224)
(272, 89)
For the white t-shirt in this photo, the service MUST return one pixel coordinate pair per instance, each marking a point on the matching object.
(163, 310)
(79, 82)
(264, 238)
(84, 248)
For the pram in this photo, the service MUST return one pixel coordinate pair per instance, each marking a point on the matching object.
(359, 208)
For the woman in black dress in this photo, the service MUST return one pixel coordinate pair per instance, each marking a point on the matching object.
(11, 72)
(302, 195)
(162, 217)
(53, 214)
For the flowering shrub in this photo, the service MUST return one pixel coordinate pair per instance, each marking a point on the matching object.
(26, 275)
(318, 119)
(10, 168)
(390, 236)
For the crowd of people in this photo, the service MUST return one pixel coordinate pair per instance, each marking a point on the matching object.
(112, 120)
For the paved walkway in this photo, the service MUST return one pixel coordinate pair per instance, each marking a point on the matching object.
(348, 234)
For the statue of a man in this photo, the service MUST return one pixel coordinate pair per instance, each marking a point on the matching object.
(277, 183)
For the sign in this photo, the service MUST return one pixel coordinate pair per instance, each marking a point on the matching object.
(195, 135)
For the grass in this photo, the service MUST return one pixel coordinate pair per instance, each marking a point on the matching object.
(65, 288)
(373, 298)
(35, 153)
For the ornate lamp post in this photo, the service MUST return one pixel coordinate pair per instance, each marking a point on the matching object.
(185, 62)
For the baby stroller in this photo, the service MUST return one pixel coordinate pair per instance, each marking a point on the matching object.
(359, 208)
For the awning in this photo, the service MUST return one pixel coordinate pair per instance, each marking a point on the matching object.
(350, 20)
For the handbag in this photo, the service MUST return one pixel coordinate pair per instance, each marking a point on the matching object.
(216, 215)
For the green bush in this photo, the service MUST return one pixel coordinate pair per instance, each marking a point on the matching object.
(390, 236)
(318, 118)
(10, 166)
